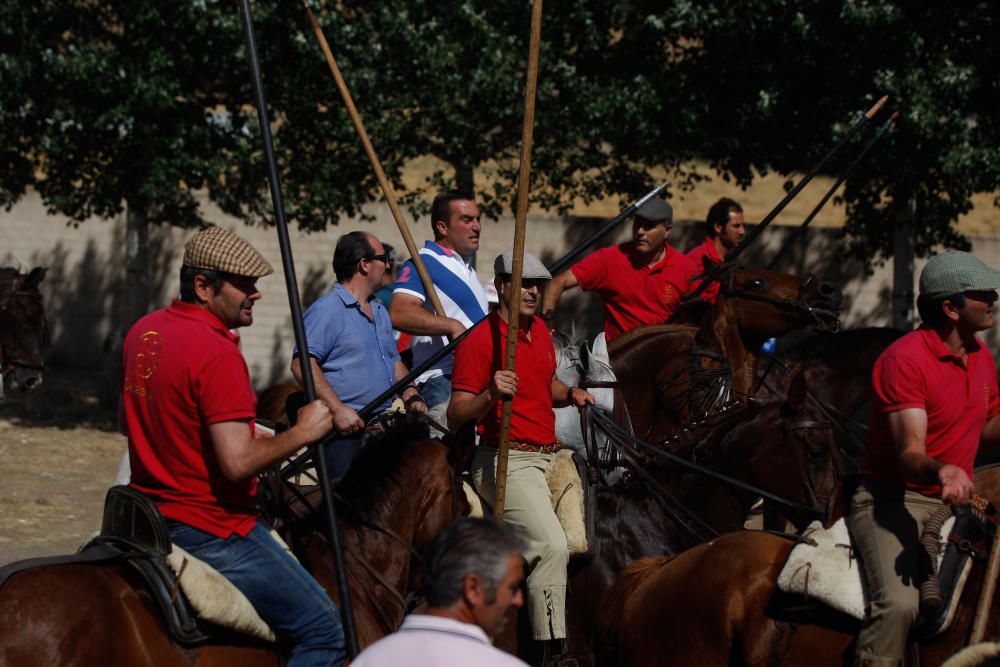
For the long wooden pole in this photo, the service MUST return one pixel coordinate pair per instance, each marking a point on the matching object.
(326, 494)
(989, 587)
(521, 216)
(383, 182)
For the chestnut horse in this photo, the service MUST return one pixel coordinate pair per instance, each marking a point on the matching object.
(399, 494)
(672, 375)
(673, 508)
(718, 604)
(23, 329)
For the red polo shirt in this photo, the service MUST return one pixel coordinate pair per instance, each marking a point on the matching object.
(706, 249)
(183, 370)
(481, 354)
(634, 295)
(918, 371)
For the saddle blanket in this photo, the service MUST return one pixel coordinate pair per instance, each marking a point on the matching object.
(828, 571)
(214, 597)
(567, 500)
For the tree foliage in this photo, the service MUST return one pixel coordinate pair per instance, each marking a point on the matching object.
(107, 103)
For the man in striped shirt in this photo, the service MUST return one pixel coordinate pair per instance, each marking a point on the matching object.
(455, 219)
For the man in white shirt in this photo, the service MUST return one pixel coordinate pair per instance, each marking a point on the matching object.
(472, 576)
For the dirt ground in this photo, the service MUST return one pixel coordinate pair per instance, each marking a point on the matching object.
(59, 452)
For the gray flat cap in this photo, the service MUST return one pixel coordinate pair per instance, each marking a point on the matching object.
(955, 272)
(531, 266)
(656, 210)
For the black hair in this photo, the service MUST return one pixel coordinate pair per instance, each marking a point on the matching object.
(441, 206)
(188, 274)
(931, 309)
(351, 249)
(719, 215)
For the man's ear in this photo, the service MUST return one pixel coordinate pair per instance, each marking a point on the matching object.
(472, 591)
(203, 290)
(950, 310)
(440, 228)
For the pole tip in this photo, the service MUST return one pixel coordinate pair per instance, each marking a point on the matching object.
(875, 108)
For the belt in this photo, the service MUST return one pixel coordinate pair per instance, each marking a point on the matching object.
(527, 446)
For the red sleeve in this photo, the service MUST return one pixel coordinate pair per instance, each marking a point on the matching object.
(223, 389)
(471, 372)
(591, 270)
(993, 405)
(899, 383)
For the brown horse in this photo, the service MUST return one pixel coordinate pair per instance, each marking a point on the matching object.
(718, 604)
(672, 508)
(672, 375)
(399, 494)
(23, 329)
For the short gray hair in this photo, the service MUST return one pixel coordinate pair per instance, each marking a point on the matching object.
(467, 546)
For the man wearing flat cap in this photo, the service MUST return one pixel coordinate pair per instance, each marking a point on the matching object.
(641, 281)
(934, 401)
(188, 411)
(479, 385)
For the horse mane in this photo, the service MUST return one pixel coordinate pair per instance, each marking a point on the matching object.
(610, 619)
(380, 476)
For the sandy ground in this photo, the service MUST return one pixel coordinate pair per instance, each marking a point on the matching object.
(59, 452)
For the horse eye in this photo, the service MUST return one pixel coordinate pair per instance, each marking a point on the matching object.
(755, 283)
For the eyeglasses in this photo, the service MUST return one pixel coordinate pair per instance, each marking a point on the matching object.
(384, 257)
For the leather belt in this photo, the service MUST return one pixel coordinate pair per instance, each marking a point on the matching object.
(527, 446)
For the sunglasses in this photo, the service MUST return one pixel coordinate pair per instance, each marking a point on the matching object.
(384, 257)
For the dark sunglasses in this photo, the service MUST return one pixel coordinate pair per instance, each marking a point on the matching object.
(384, 257)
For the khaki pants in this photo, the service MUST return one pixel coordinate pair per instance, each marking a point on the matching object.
(885, 524)
(528, 507)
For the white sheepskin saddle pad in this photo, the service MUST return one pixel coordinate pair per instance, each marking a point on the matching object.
(214, 598)
(567, 500)
(828, 571)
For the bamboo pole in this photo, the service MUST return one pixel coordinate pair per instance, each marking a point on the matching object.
(390, 195)
(982, 616)
(514, 312)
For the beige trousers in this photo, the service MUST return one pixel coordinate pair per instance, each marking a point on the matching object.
(885, 525)
(528, 507)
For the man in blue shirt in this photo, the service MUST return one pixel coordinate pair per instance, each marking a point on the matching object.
(351, 349)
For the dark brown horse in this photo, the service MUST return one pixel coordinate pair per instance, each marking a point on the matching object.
(768, 446)
(23, 329)
(399, 494)
(718, 604)
(672, 375)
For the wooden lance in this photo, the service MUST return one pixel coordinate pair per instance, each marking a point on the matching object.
(514, 312)
(383, 182)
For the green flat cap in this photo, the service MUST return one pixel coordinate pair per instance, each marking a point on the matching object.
(955, 272)
(220, 250)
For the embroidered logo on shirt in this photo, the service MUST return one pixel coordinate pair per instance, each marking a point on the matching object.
(668, 295)
(145, 362)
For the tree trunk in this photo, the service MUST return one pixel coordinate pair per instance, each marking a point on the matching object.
(902, 269)
(135, 300)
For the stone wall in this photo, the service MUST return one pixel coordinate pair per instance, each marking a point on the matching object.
(83, 287)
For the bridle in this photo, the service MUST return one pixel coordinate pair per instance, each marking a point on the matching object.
(825, 319)
(9, 364)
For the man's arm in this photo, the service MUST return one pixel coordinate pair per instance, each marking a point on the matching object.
(908, 428)
(553, 291)
(409, 316)
(345, 418)
(563, 395)
(466, 406)
(241, 455)
(411, 397)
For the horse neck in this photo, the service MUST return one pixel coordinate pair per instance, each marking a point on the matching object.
(722, 334)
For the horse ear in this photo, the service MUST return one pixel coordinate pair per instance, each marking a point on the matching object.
(708, 263)
(461, 445)
(36, 276)
(798, 392)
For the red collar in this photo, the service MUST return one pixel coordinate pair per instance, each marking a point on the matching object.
(522, 334)
(939, 349)
(192, 311)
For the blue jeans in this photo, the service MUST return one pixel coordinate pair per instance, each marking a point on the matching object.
(436, 390)
(340, 454)
(283, 593)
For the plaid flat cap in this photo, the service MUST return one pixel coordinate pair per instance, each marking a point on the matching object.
(656, 210)
(531, 266)
(220, 250)
(955, 272)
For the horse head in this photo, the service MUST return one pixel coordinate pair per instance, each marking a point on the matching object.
(23, 327)
(767, 304)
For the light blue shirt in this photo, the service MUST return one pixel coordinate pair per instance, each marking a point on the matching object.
(356, 353)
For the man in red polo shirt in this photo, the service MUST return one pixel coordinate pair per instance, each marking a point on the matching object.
(187, 409)
(479, 384)
(724, 229)
(935, 400)
(641, 281)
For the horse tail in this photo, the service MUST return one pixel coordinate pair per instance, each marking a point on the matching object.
(611, 620)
